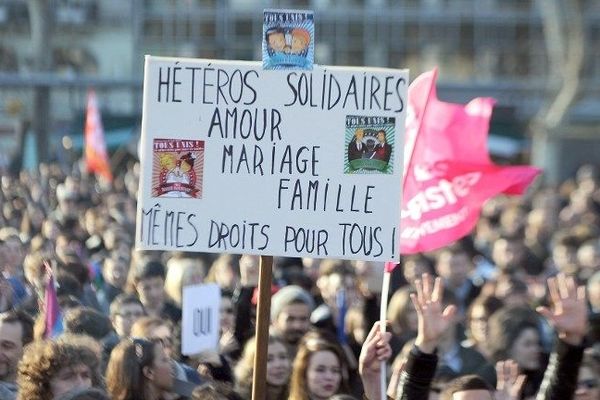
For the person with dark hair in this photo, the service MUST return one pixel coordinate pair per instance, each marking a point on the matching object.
(149, 284)
(125, 310)
(51, 368)
(16, 331)
(588, 382)
(455, 265)
(114, 276)
(161, 330)
(87, 321)
(473, 384)
(85, 394)
(477, 322)
(215, 391)
(138, 369)
(513, 332)
(290, 315)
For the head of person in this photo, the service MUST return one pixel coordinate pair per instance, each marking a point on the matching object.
(477, 317)
(540, 226)
(87, 321)
(468, 387)
(401, 313)
(226, 312)
(588, 255)
(319, 369)
(51, 368)
(155, 329)
(67, 200)
(359, 134)
(512, 219)
(381, 136)
(278, 367)
(13, 250)
(336, 275)
(276, 39)
(588, 381)
(513, 333)
(115, 270)
(85, 394)
(564, 254)
(214, 390)
(149, 282)
(414, 266)
(290, 313)
(138, 369)
(16, 331)
(509, 253)
(300, 40)
(125, 310)
(68, 246)
(222, 272)
(454, 264)
(593, 292)
(512, 291)
(183, 271)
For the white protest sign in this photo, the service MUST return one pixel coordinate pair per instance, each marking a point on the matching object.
(284, 163)
(200, 320)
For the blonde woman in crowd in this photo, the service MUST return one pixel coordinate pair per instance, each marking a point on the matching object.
(278, 370)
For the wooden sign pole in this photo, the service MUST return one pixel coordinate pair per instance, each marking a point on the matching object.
(263, 320)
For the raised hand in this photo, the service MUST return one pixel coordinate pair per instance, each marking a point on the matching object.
(433, 320)
(375, 350)
(569, 309)
(509, 382)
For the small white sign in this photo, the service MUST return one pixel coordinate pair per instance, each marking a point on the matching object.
(200, 324)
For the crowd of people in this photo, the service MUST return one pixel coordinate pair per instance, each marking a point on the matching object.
(510, 312)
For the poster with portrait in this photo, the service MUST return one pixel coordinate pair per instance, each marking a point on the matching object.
(288, 39)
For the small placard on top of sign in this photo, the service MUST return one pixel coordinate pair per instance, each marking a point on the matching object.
(288, 39)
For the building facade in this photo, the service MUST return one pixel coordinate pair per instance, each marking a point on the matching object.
(482, 47)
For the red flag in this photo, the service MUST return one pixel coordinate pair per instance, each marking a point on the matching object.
(448, 173)
(95, 146)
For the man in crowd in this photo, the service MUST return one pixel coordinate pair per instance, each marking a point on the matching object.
(149, 283)
(290, 315)
(454, 265)
(16, 331)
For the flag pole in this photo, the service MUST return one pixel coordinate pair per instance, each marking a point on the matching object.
(385, 290)
(263, 319)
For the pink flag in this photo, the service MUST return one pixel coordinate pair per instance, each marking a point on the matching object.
(54, 326)
(448, 173)
(96, 156)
